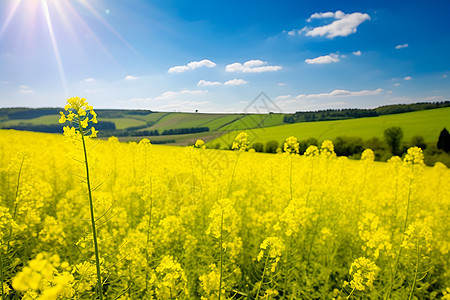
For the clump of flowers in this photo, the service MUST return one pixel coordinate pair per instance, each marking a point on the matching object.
(210, 283)
(363, 272)
(311, 151)
(418, 234)
(223, 218)
(291, 145)
(273, 247)
(368, 155)
(327, 149)
(41, 275)
(80, 113)
(414, 156)
(375, 237)
(172, 283)
(241, 142)
(200, 144)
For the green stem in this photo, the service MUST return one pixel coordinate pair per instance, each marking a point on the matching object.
(264, 273)
(221, 255)
(1, 273)
(290, 178)
(232, 175)
(405, 223)
(91, 207)
(310, 181)
(148, 234)
(416, 272)
(15, 202)
(351, 293)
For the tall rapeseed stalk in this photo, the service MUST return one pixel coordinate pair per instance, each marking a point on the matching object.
(80, 113)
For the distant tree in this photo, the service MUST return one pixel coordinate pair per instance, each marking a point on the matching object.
(394, 136)
(444, 141)
(271, 147)
(304, 144)
(346, 146)
(259, 147)
(418, 141)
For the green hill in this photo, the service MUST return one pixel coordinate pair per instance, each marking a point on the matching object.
(427, 123)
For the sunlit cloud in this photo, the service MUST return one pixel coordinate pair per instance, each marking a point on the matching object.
(357, 53)
(192, 65)
(130, 77)
(208, 83)
(172, 95)
(251, 66)
(236, 82)
(325, 59)
(341, 93)
(25, 89)
(89, 80)
(344, 25)
(407, 78)
(401, 46)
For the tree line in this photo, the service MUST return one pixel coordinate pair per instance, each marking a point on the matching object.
(352, 113)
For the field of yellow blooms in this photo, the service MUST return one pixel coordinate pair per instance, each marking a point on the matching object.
(194, 223)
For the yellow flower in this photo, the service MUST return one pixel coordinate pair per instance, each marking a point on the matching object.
(363, 272)
(291, 145)
(63, 117)
(241, 142)
(93, 132)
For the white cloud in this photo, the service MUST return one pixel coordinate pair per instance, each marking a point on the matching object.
(235, 82)
(252, 66)
(401, 46)
(192, 65)
(357, 53)
(396, 84)
(325, 59)
(337, 15)
(130, 77)
(89, 79)
(341, 93)
(25, 90)
(182, 105)
(283, 97)
(408, 78)
(171, 95)
(344, 25)
(208, 83)
(282, 83)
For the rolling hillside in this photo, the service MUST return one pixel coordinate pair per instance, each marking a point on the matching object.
(427, 123)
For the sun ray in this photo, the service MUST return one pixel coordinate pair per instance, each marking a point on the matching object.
(11, 14)
(101, 19)
(55, 46)
(93, 35)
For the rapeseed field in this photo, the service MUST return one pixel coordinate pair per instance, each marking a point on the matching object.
(82, 218)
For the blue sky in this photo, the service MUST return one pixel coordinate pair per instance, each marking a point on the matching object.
(217, 56)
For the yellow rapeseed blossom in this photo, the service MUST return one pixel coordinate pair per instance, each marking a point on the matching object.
(291, 145)
(363, 272)
(327, 149)
(414, 156)
(368, 155)
(199, 144)
(312, 151)
(274, 248)
(241, 142)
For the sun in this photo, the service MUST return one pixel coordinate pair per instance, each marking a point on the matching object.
(64, 15)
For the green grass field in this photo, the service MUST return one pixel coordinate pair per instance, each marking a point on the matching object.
(427, 123)
(43, 120)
